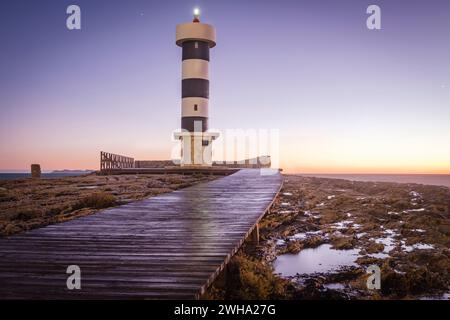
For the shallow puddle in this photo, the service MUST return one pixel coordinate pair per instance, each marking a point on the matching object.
(345, 224)
(419, 246)
(445, 296)
(320, 259)
(304, 235)
(88, 187)
(335, 286)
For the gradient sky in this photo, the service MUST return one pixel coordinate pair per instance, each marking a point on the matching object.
(345, 99)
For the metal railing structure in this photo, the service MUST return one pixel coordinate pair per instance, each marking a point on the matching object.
(115, 161)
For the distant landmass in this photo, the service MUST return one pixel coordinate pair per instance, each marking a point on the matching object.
(72, 171)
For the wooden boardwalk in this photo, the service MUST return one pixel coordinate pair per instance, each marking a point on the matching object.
(171, 246)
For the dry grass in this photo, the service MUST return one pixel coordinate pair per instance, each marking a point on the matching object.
(30, 203)
(97, 200)
(248, 278)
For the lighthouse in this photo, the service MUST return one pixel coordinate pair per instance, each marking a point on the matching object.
(196, 39)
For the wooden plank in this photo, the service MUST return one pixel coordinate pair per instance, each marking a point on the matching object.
(166, 247)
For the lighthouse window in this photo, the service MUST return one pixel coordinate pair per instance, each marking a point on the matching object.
(205, 143)
(195, 107)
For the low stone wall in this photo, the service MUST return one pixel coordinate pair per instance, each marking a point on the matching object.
(259, 162)
(153, 163)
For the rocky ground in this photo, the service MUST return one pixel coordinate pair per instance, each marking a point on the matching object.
(322, 234)
(30, 203)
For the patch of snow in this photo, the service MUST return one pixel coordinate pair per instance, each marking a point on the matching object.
(418, 246)
(320, 204)
(391, 232)
(334, 286)
(414, 210)
(423, 246)
(331, 197)
(305, 235)
(361, 234)
(287, 194)
(342, 224)
(298, 236)
(418, 230)
(445, 296)
(88, 187)
(336, 234)
(285, 204)
(345, 224)
(399, 272)
(393, 213)
(415, 194)
(379, 255)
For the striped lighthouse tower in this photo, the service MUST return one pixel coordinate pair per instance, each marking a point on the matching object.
(195, 39)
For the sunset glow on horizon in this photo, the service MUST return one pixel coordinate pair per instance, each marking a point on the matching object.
(344, 99)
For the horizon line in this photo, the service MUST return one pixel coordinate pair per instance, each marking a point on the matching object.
(283, 171)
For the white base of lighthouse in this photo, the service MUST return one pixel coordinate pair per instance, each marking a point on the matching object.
(196, 148)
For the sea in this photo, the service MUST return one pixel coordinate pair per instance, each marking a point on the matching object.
(44, 175)
(429, 179)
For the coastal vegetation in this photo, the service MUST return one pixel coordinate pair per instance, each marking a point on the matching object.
(404, 229)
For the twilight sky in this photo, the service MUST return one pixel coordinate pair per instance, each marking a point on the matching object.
(344, 98)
